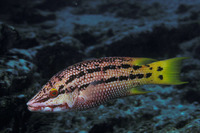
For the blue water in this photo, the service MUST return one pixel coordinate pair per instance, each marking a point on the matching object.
(40, 38)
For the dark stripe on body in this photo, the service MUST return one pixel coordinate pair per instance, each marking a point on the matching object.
(60, 90)
(148, 75)
(120, 78)
(96, 82)
(131, 76)
(140, 76)
(136, 67)
(43, 100)
(83, 87)
(126, 66)
(44, 90)
(111, 79)
(105, 68)
(109, 67)
(50, 83)
(72, 88)
(98, 69)
(60, 77)
(72, 77)
(80, 74)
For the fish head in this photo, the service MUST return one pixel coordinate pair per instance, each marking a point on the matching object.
(52, 98)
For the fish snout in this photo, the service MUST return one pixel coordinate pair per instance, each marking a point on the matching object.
(29, 103)
(33, 105)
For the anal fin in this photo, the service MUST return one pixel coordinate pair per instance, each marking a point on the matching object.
(138, 91)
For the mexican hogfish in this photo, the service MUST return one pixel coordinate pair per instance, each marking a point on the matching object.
(90, 83)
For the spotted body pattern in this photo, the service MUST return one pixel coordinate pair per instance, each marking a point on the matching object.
(94, 82)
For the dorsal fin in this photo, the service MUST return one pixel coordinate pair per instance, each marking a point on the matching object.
(143, 61)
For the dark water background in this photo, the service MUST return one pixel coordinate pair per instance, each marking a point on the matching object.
(41, 37)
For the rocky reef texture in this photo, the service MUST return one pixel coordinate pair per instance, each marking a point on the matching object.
(39, 38)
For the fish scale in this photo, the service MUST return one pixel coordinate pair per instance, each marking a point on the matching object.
(90, 83)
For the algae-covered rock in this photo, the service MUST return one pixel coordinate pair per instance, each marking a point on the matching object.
(54, 57)
(9, 37)
(15, 75)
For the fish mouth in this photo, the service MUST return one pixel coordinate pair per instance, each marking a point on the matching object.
(40, 108)
(35, 107)
(32, 108)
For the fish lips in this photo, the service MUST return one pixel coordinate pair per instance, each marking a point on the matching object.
(36, 107)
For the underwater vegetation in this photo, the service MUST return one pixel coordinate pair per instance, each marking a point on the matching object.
(42, 37)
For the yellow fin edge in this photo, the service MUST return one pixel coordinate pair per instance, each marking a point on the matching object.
(144, 61)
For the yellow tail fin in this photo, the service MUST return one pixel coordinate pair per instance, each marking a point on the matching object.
(166, 72)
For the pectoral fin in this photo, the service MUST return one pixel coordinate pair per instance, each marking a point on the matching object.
(71, 98)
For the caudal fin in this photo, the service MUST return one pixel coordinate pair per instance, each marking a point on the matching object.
(166, 72)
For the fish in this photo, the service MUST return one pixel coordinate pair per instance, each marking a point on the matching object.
(91, 83)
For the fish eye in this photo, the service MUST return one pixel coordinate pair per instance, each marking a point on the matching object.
(53, 92)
